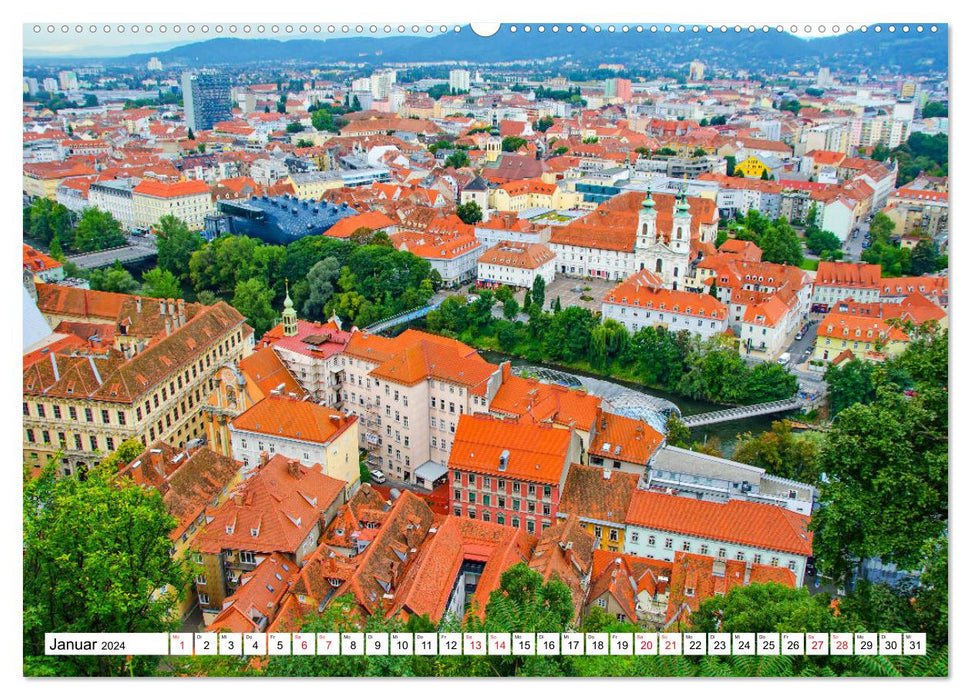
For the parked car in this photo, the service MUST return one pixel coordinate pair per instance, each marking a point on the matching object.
(784, 359)
(799, 335)
(377, 476)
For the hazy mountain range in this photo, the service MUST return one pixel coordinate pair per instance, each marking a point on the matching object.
(911, 52)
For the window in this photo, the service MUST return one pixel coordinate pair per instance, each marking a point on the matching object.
(110, 442)
(515, 521)
(704, 549)
(247, 558)
(721, 552)
(40, 410)
(201, 579)
(121, 417)
(94, 442)
(597, 531)
(686, 546)
(689, 592)
(602, 602)
(634, 536)
(668, 543)
(203, 599)
(757, 559)
(57, 412)
(612, 535)
(740, 555)
(105, 417)
(792, 565)
(651, 541)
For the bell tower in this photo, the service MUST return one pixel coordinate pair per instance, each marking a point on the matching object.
(681, 225)
(646, 223)
(289, 315)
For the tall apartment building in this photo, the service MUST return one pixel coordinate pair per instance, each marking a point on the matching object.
(68, 80)
(119, 366)
(459, 80)
(206, 99)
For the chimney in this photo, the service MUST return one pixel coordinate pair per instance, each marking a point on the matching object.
(171, 305)
(138, 304)
(293, 468)
(748, 572)
(161, 307)
(156, 457)
(181, 307)
(264, 458)
(168, 326)
(607, 474)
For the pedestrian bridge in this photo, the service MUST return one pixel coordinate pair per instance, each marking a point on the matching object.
(739, 412)
(401, 318)
(138, 248)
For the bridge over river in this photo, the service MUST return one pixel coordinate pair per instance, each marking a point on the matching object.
(652, 409)
(138, 248)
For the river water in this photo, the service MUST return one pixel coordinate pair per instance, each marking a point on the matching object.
(727, 433)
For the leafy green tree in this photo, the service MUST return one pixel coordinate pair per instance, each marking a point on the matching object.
(924, 258)
(538, 291)
(470, 212)
(114, 279)
(781, 452)
(295, 127)
(888, 458)
(570, 334)
(765, 607)
(322, 283)
(97, 230)
(819, 241)
(933, 109)
(161, 284)
(458, 159)
(543, 124)
(511, 144)
(510, 309)
(676, 432)
(96, 552)
(176, 244)
(46, 219)
(254, 300)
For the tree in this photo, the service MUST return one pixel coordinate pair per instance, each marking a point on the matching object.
(924, 258)
(295, 127)
(933, 109)
(543, 124)
(470, 212)
(458, 159)
(114, 279)
(97, 230)
(676, 432)
(713, 288)
(511, 144)
(96, 551)
(510, 309)
(304, 143)
(322, 281)
(161, 284)
(254, 299)
(176, 244)
(819, 241)
(539, 291)
(190, 135)
(765, 607)
(46, 219)
(781, 452)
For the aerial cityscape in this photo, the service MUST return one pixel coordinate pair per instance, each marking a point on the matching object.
(562, 330)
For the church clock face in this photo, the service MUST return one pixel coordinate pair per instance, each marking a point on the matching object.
(227, 376)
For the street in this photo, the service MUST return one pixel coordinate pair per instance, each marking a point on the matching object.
(853, 247)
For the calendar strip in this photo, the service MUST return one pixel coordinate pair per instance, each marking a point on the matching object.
(491, 644)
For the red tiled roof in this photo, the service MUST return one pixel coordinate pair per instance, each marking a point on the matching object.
(617, 437)
(295, 419)
(589, 494)
(167, 190)
(535, 452)
(742, 522)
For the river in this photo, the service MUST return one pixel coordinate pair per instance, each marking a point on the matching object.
(727, 433)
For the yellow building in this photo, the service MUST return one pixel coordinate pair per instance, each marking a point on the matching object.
(520, 195)
(121, 367)
(189, 201)
(751, 167)
(599, 497)
(865, 337)
(313, 185)
(239, 387)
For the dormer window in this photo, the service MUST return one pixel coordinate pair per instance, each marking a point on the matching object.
(255, 532)
(229, 529)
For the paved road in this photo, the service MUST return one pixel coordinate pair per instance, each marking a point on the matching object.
(138, 247)
(797, 349)
(853, 247)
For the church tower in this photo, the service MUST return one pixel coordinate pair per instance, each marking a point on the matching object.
(289, 315)
(681, 225)
(646, 223)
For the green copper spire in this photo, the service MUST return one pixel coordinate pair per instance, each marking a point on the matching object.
(648, 202)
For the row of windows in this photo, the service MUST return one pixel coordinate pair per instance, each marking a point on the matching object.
(488, 499)
(487, 483)
(58, 412)
(47, 438)
(500, 518)
(705, 549)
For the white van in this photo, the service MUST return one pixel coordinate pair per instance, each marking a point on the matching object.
(784, 359)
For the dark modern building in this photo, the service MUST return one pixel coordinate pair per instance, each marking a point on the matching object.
(278, 220)
(206, 98)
